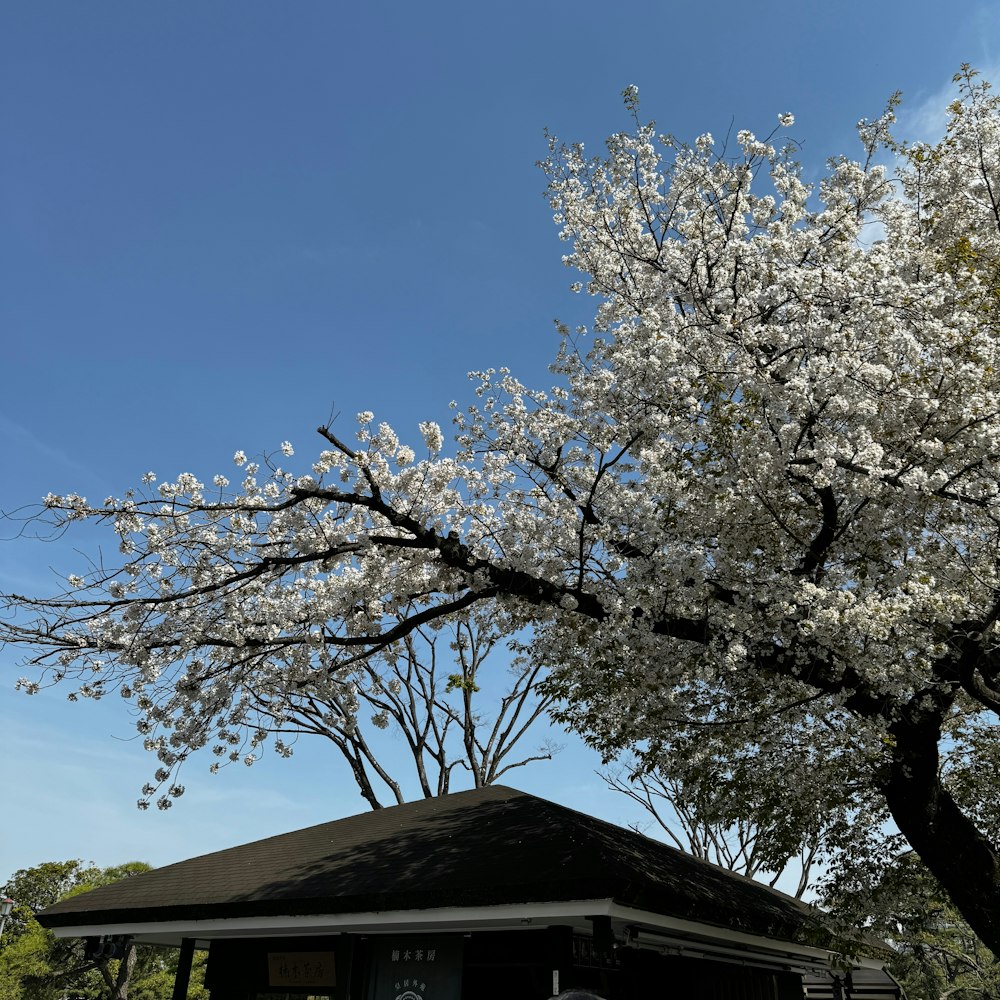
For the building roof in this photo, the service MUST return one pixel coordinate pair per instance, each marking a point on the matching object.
(485, 847)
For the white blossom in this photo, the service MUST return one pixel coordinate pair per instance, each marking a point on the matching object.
(433, 438)
(763, 490)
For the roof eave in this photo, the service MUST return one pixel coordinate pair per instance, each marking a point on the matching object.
(651, 929)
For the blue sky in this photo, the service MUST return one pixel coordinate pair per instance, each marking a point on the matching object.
(222, 223)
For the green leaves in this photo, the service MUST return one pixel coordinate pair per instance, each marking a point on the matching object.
(36, 965)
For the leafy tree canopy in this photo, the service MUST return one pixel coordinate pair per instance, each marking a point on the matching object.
(36, 965)
(937, 954)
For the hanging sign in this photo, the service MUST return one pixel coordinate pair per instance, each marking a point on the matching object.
(301, 968)
(416, 967)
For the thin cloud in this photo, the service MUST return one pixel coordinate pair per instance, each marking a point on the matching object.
(23, 439)
(925, 119)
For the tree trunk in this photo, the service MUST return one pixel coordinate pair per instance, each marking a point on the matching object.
(124, 978)
(965, 863)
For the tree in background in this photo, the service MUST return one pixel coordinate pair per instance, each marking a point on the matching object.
(763, 496)
(938, 956)
(36, 965)
(33, 889)
(738, 812)
(712, 830)
(427, 687)
(792, 804)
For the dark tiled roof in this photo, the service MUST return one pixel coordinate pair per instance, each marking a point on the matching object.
(483, 847)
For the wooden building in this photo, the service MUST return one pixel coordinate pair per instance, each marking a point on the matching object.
(490, 894)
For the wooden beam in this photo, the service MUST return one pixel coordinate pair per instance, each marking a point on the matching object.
(184, 961)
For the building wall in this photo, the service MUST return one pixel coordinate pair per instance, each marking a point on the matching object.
(506, 965)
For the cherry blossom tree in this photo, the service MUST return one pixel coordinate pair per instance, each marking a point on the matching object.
(762, 494)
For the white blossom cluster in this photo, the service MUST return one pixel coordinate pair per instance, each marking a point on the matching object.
(769, 472)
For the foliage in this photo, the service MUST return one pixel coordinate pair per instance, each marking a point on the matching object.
(156, 969)
(762, 498)
(793, 805)
(937, 954)
(789, 813)
(24, 964)
(36, 965)
(33, 889)
(690, 821)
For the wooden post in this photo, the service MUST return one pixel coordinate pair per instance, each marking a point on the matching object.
(184, 961)
(560, 952)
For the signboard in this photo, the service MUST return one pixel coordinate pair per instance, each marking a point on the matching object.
(416, 967)
(301, 968)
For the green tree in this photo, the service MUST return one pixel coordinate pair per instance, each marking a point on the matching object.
(32, 889)
(937, 954)
(24, 962)
(36, 965)
(153, 977)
